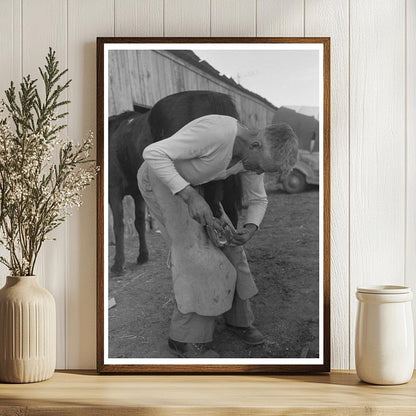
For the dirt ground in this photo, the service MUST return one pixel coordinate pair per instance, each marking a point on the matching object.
(283, 256)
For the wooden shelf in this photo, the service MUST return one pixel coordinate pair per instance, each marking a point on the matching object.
(86, 393)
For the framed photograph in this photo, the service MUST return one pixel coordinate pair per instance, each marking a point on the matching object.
(213, 216)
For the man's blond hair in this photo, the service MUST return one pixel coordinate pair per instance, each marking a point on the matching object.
(283, 144)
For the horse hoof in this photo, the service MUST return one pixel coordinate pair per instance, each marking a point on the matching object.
(142, 258)
(116, 270)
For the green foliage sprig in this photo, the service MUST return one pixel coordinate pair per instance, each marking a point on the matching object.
(41, 175)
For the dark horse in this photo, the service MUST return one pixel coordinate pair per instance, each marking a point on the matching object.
(131, 132)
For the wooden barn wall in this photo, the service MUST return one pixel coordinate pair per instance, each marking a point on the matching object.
(145, 76)
(373, 130)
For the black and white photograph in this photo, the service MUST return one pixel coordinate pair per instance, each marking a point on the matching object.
(213, 204)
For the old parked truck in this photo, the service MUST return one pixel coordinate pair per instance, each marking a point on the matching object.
(306, 170)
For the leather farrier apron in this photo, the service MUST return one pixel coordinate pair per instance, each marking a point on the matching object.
(204, 276)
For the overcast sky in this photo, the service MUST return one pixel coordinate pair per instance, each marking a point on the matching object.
(289, 77)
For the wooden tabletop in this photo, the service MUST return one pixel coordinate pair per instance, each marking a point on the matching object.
(86, 393)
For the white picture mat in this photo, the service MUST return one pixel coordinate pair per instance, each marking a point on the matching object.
(221, 361)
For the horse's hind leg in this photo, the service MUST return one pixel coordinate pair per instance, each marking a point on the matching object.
(231, 198)
(213, 193)
(116, 204)
(140, 223)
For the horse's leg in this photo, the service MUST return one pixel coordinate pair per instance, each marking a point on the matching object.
(213, 192)
(231, 198)
(140, 224)
(116, 204)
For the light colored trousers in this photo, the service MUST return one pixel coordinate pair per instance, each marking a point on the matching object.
(207, 281)
(194, 328)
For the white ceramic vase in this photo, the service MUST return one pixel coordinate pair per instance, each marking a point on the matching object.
(27, 331)
(384, 341)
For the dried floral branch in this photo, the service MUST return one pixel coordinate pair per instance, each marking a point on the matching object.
(41, 176)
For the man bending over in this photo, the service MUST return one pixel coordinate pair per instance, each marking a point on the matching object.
(207, 280)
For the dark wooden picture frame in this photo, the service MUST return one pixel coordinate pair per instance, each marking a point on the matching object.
(102, 365)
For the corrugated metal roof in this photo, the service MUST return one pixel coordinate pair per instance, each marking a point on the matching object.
(193, 58)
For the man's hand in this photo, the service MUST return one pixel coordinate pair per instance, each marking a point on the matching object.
(241, 237)
(198, 208)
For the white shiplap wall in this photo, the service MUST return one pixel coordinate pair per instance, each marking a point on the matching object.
(373, 128)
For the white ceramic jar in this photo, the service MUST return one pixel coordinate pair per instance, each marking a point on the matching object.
(384, 339)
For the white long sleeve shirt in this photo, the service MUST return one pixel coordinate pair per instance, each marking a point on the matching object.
(201, 152)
